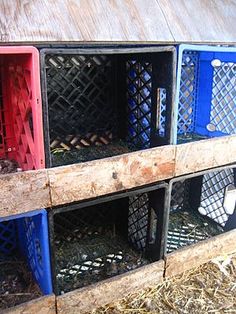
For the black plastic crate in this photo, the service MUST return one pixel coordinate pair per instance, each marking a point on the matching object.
(25, 271)
(105, 102)
(101, 238)
(201, 205)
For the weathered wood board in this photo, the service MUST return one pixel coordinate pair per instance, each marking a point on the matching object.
(101, 177)
(157, 21)
(82, 20)
(211, 21)
(195, 255)
(23, 191)
(43, 305)
(205, 154)
(86, 299)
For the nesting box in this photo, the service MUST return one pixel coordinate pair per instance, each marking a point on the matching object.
(201, 206)
(101, 102)
(205, 104)
(98, 239)
(25, 261)
(21, 131)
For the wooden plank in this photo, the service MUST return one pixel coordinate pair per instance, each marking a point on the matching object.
(23, 191)
(200, 253)
(86, 299)
(82, 20)
(101, 177)
(201, 155)
(43, 305)
(201, 21)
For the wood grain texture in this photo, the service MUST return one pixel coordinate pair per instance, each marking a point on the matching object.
(44, 305)
(24, 191)
(209, 21)
(200, 253)
(201, 155)
(82, 20)
(201, 20)
(101, 177)
(86, 299)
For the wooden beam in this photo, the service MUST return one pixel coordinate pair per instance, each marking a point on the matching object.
(110, 175)
(196, 156)
(87, 299)
(195, 255)
(23, 191)
(43, 305)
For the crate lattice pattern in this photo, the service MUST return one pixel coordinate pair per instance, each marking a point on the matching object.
(81, 112)
(187, 227)
(187, 97)
(223, 103)
(139, 81)
(138, 220)
(98, 250)
(16, 125)
(7, 238)
(161, 114)
(33, 247)
(212, 196)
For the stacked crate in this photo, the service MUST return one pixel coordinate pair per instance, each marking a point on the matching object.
(103, 102)
(24, 247)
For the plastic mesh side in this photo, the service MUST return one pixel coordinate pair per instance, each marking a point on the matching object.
(139, 82)
(223, 103)
(33, 241)
(138, 220)
(79, 89)
(187, 93)
(213, 193)
(8, 238)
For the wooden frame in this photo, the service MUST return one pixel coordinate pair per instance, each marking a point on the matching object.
(21, 192)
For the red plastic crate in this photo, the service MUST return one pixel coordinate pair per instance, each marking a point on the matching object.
(21, 128)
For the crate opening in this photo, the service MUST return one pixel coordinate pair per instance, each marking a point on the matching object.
(17, 113)
(21, 260)
(102, 105)
(206, 95)
(103, 240)
(201, 207)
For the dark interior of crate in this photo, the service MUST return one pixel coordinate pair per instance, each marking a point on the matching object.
(16, 123)
(197, 209)
(207, 97)
(100, 241)
(17, 284)
(105, 105)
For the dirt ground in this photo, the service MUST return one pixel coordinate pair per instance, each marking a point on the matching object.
(16, 284)
(210, 288)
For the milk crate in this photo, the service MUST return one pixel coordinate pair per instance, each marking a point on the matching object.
(25, 271)
(101, 238)
(21, 131)
(105, 102)
(200, 206)
(206, 93)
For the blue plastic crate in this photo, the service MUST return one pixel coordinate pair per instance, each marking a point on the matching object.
(27, 235)
(205, 103)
